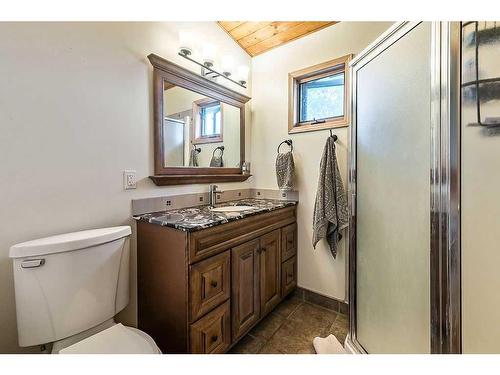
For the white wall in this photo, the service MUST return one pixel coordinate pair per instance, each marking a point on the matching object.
(75, 111)
(317, 270)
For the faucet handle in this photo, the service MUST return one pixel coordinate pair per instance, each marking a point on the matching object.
(214, 188)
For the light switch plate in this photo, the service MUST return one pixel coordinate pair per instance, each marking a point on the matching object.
(129, 180)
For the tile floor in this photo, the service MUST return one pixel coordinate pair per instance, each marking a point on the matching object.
(290, 329)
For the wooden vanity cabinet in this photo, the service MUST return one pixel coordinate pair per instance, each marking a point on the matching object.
(200, 292)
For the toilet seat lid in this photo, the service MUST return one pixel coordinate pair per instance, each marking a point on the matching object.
(117, 339)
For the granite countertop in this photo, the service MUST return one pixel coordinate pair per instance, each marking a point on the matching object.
(200, 217)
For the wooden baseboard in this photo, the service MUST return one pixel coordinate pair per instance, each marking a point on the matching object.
(321, 300)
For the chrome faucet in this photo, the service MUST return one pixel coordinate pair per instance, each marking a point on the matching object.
(212, 194)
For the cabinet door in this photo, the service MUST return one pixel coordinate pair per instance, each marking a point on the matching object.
(211, 334)
(288, 241)
(270, 271)
(245, 287)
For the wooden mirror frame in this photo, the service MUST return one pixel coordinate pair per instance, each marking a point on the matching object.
(164, 70)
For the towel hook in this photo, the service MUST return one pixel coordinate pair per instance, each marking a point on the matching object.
(288, 142)
(197, 149)
(221, 149)
(333, 136)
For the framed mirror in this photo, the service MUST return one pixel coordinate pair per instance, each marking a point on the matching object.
(199, 127)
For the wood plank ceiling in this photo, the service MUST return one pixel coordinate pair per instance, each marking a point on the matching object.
(258, 37)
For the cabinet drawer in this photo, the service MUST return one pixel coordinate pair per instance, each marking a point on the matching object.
(212, 333)
(288, 276)
(211, 241)
(288, 242)
(209, 284)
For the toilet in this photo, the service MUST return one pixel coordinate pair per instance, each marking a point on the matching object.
(68, 289)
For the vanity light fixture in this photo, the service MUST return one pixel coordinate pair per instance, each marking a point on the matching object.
(208, 58)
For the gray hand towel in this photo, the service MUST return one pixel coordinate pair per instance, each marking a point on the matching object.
(216, 161)
(330, 208)
(285, 171)
(193, 158)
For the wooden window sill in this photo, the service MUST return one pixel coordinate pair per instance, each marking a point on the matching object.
(339, 123)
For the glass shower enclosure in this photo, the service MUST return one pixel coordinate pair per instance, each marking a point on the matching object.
(403, 191)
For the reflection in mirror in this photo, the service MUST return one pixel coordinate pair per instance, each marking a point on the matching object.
(199, 131)
(173, 141)
(207, 121)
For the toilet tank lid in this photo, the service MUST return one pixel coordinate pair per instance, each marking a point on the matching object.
(68, 242)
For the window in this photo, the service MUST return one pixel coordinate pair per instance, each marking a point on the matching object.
(322, 98)
(207, 121)
(319, 97)
(210, 118)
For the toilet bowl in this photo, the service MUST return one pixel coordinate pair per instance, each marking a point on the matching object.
(69, 287)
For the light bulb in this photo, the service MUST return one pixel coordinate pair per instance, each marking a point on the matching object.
(185, 43)
(227, 65)
(243, 74)
(208, 54)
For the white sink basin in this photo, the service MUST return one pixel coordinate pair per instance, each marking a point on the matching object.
(232, 208)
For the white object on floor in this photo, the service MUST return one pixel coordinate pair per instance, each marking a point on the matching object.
(328, 345)
(117, 339)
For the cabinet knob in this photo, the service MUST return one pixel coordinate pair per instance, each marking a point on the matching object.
(290, 275)
(263, 249)
(213, 283)
(214, 338)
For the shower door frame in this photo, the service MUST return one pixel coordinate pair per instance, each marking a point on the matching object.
(444, 242)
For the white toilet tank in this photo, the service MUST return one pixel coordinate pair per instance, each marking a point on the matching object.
(69, 283)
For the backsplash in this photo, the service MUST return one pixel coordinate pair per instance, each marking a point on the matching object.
(155, 204)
